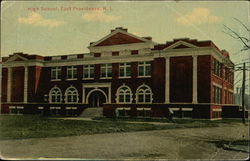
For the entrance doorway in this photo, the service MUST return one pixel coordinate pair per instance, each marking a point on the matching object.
(96, 99)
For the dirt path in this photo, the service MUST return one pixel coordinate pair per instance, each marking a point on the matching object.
(165, 144)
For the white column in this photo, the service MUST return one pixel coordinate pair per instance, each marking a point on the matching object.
(195, 100)
(167, 79)
(25, 91)
(83, 94)
(109, 94)
(9, 84)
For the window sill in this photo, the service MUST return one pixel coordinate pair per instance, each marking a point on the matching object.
(124, 77)
(105, 77)
(70, 79)
(88, 79)
(143, 76)
(55, 80)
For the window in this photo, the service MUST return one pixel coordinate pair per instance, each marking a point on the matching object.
(55, 95)
(106, 70)
(71, 95)
(122, 112)
(217, 91)
(144, 94)
(72, 72)
(143, 112)
(217, 66)
(125, 69)
(124, 94)
(144, 69)
(71, 111)
(88, 71)
(56, 73)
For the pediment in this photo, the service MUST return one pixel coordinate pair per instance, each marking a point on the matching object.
(181, 45)
(119, 37)
(16, 57)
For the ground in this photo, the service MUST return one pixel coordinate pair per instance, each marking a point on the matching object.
(180, 143)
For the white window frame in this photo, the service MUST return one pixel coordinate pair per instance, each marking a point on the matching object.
(58, 93)
(71, 69)
(106, 68)
(72, 94)
(88, 70)
(144, 92)
(125, 67)
(144, 65)
(57, 70)
(120, 92)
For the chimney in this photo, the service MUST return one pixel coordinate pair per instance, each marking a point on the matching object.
(120, 28)
(148, 38)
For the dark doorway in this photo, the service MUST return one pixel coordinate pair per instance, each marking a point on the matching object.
(96, 99)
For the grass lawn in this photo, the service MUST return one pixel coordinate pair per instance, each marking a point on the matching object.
(32, 126)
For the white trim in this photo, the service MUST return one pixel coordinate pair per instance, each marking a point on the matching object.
(50, 94)
(96, 85)
(187, 109)
(167, 80)
(217, 109)
(118, 94)
(9, 85)
(12, 107)
(180, 43)
(40, 108)
(67, 93)
(14, 57)
(217, 85)
(19, 107)
(195, 81)
(137, 94)
(93, 90)
(174, 109)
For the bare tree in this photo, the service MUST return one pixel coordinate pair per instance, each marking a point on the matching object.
(244, 39)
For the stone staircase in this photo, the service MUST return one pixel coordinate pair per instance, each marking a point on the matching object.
(92, 112)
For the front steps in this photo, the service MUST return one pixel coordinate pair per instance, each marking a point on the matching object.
(92, 112)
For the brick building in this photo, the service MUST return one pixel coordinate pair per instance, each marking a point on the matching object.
(126, 75)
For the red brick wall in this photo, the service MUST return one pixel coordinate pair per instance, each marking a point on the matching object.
(17, 84)
(4, 84)
(158, 77)
(203, 78)
(221, 81)
(34, 75)
(181, 70)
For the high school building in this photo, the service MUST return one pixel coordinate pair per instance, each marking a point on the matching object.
(126, 75)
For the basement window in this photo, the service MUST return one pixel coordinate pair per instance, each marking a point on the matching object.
(123, 112)
(143, 112)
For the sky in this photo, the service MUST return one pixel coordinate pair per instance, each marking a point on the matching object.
(67, 27)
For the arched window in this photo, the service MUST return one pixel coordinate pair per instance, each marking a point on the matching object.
(124, 94)
(144, 94)
(55, 95)
(71, 95)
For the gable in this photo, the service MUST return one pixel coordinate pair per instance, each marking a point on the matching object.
(118, 39)
(16, 57)
(181, 46)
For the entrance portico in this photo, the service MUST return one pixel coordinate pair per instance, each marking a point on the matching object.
(94, 95)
